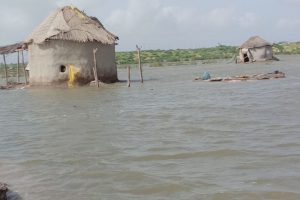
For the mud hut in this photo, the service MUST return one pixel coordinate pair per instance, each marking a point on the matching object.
(255, 49)
(62, 46)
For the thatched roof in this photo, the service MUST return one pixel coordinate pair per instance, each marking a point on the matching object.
(12, 48)
(69, 23)
(255, 42)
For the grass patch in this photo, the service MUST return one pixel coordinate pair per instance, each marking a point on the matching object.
(158, 58)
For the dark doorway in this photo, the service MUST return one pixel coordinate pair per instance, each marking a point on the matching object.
(246, 58)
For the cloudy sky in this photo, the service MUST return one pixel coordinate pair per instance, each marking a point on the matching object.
(165, 24)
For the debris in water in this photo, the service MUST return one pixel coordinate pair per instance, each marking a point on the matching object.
(272, 75)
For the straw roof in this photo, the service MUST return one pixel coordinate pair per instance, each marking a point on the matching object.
(255, 42)
(69, 23)
(12, 48)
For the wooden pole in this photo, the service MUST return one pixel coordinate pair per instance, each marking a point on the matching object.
(140, 63)
(128, 80)
(18, 68)
(5, 67)
(23, 63)
(95, 68)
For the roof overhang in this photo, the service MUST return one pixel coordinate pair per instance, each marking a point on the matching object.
(13, 48)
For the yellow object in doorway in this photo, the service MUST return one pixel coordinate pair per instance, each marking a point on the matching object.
(72, 75)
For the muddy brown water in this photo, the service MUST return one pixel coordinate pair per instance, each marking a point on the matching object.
(169, 138)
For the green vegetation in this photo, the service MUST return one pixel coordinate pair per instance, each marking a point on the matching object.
(287, 48)
(11, 70)
(159, 58)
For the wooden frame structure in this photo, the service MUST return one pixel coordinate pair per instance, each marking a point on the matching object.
(18, 47)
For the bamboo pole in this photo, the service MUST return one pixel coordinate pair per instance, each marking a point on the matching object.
(18, 68)
(5, 67)
(140, 63)
(23, 63)
(128, 80)
(95, 67)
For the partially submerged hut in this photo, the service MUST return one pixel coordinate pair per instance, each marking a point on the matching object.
(64, 43)
(255, 49)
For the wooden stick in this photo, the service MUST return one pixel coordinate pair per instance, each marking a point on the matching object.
(95, 67)
(140, 63)
(18, 68)
(5, 67)
(24, 68)
(128, 80)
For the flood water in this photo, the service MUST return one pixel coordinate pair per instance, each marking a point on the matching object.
(169, 138)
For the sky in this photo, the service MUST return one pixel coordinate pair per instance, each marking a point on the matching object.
(165, 24)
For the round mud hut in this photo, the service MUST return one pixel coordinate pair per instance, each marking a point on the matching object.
(255, 49)
(61, 49)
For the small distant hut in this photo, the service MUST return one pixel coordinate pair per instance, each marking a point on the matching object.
(255, 49)
(64, 43)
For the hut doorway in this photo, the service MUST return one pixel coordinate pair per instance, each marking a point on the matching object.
(246, 58)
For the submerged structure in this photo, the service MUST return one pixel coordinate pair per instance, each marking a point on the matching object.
(255, 49)
(67, 45)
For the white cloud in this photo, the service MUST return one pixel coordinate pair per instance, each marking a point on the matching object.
(162, 24)
(138, 16)
(288, 23)
(15, 18)
(13, 21)
(83, 4)
(220, 17)
(248, 20)
(144, 22)
(155, 24)
(292, 2)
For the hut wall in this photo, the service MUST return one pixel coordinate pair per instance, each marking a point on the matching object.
(262, 53)
(257, 54)
(48, 60)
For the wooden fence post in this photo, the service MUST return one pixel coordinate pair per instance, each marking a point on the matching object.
(128, 79)
(5, 67)
(95, 67)
(140, 63)
(23, 63)
(18, 68)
